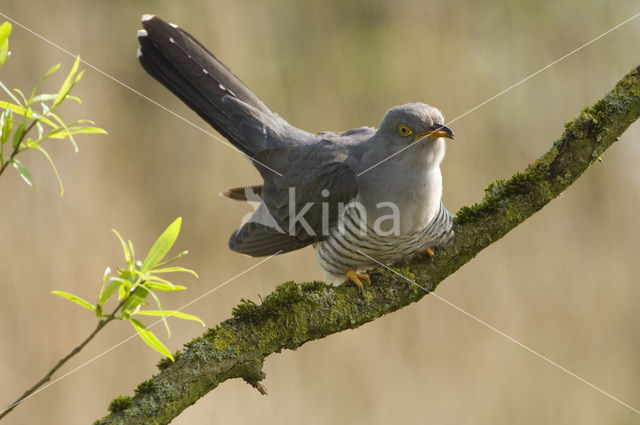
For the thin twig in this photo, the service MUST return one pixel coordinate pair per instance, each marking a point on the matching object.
(16, 150)
(101, 324)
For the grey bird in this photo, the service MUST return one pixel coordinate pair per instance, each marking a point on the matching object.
(359, 197)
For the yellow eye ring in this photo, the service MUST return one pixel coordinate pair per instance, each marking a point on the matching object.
(404, 131)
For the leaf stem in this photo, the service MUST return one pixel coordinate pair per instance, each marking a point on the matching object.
(16, 150)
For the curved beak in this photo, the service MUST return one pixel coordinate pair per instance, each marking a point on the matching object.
(441, 131)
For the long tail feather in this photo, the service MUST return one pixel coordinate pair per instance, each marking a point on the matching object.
(183, 65)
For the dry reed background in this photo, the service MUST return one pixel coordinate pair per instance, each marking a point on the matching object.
(565, 282)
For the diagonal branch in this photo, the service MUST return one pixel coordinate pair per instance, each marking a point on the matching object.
(297, 313)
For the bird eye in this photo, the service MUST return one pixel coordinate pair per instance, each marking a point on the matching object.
(404, 131)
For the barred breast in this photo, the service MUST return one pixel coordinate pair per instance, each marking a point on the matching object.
(352, 238)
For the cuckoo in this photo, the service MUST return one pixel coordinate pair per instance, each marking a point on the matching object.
(360, 196)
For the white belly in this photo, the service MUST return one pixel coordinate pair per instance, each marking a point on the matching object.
(354, 246)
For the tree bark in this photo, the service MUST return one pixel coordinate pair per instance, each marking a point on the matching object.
(297, 313)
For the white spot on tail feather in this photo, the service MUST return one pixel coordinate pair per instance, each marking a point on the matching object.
(226, 89)
(205, 71)
(147, 17)
(171, 40)
(173, 25)
(142, 33)
(139, 52)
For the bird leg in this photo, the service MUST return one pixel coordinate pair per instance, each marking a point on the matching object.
(429, 252)
(355, 278)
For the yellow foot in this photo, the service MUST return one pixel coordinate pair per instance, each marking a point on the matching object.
(429, 252)
(355, 278)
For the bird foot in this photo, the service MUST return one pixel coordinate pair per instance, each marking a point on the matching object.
(429, 252)
(355, 278)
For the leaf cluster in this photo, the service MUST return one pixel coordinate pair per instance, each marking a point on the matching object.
(21, 114)
(135, 283)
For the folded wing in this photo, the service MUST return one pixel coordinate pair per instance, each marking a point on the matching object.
(299, 207)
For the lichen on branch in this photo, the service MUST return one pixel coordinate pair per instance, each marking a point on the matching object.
(298, 313)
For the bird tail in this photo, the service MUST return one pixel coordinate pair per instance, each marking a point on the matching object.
(183, 65)
(244, 193)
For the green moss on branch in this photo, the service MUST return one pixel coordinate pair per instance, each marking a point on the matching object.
(298, 313)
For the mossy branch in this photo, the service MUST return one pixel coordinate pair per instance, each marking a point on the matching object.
(297, 313)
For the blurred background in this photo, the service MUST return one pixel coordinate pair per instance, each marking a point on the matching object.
(565, 282)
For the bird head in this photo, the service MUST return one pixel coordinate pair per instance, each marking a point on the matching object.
(412, 122)
(417, 125)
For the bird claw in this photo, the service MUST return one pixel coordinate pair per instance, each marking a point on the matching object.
(355, 278)
(429, 252)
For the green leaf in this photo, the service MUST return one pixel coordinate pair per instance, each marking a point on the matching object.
(175, 270)
(43, 98)
(79, 76)
(24, 173)
(45, 110)
(177, 257)
(27, 113)
(75, 299)
(162, 246)
(170, 313)
(106, 291)
(11, 95)
(5, 30)
(6, 123)
(156, 280)
(123, 282)
(67, 84)
(61, 133)
(135, 299)
(51, 70)
(132, 251)
(151, 340)
(122, 291)
(55, 170)
(18, 135)
(159, 286)
(75, 123)
(164, 320)
(125, 249)
(40, 131)
(15, 108)
(66, 129)
(24, 99)
(105, 277)
(109, 290)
